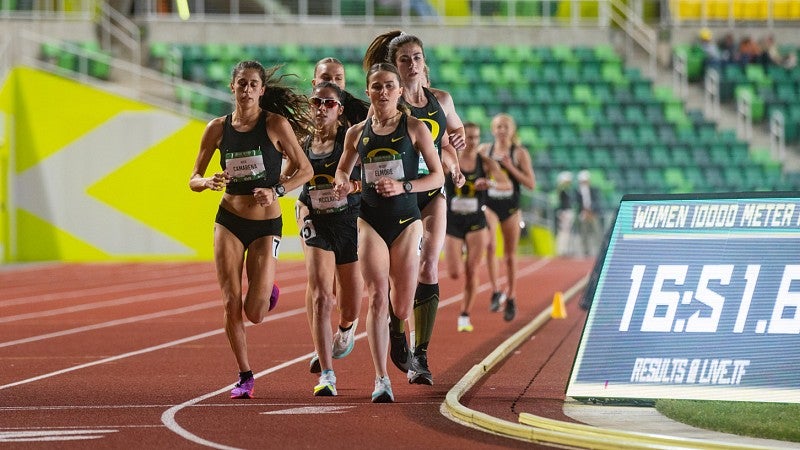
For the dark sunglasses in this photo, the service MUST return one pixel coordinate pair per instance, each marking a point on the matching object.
(328, 102)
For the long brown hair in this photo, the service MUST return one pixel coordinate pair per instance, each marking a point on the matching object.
(384, 47)
(280, 99)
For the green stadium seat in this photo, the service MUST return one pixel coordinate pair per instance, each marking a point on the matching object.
(563, 53)
(606, 52)
(714, 178)
(601, 158)
(739, 153)
(660, 156)
(576, 115)
(674, 181)
(551, 73)
(612, 73)
(446, 54)
(582, 157)
(757, 108)
(490, 73)
(681, 156)
(755, 74)
(700, 156)
(511, 73)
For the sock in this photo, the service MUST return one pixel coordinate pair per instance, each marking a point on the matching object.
(426, 305)
(396, 325)
(463, 314)
(345, 329)
(244, 376)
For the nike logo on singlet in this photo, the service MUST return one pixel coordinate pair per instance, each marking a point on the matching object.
(402, 221)
(330, 164)
(432, 113)
(397, 139)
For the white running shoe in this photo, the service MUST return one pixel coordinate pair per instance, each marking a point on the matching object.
(383, 391)
(344, 341)
(327, 384)
(464, 324)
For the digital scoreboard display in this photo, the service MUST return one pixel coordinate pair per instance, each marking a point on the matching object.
(696, 297)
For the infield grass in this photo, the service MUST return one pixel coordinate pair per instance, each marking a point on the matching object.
(779, 421)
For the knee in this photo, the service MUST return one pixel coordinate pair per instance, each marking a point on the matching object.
(428, 272)
(323, 303)
(255, 317)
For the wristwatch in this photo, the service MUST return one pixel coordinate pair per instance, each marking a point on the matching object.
(279, 190)
(407, 187)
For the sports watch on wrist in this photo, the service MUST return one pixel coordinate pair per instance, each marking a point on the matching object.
(279, 190)
(407, 187)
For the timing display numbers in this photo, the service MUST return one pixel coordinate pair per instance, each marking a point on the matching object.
(697, 297)
(784, 319)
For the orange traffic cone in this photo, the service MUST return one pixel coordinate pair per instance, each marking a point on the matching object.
(559, 310)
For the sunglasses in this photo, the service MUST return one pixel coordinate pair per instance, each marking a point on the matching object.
(328, 102)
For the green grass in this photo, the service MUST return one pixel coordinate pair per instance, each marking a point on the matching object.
(779, 421)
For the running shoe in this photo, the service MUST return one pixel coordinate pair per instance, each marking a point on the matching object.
(383, 391)
(419, 373)
(398, 350)
(327, 385)
(244, 389)
(464, 324)
(313, 365)
(497, 300)
(510, 311)
(273, 298)
(344, 341)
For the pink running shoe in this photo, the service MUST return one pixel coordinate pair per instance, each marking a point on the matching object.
(244, 389)
(273, 298)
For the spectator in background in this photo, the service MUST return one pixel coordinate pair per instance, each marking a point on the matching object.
(588, 205)
(711, 54)
(727, 49)
(749, 50)
(772, 55)
(565, 213)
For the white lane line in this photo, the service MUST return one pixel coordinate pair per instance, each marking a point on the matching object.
(168, 417)
(104, 290)
(156, 315)
(195, 290)
(172, 280)
(112, 323)
(142, 351)
(53, 435)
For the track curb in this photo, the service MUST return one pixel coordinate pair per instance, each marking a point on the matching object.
(537, 429)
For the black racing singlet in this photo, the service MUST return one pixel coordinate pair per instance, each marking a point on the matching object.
(392, 156)
(433, 115)
(317, 193)
(249, 157)
(466, 200)
(499, 200)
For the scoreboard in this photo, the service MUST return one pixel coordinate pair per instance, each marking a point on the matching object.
(696, 297)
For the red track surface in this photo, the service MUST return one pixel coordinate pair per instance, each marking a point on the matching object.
(134, 355)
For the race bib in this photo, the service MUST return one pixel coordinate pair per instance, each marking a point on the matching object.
(384, 166)
(245, 166)
(496, 193)
(324, 201)
(464, 205)
(308, 231)
(422, 167)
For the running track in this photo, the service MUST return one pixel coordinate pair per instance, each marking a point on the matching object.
(134, 355)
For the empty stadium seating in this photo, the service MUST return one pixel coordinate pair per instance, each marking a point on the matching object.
(576, 108)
